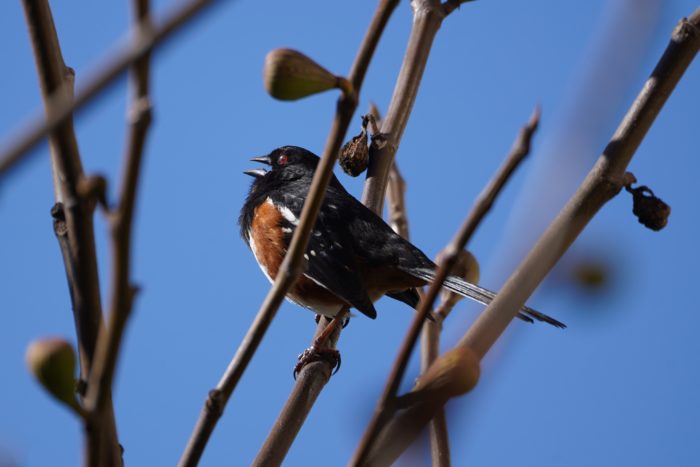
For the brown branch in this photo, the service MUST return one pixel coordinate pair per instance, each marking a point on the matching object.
(427, 18)
(439, 434)
(121, 219)
(142, 41)
(308, 386)
(396, 187)
(291, 266)
(68, 170)
(603, 182)
(73, 223)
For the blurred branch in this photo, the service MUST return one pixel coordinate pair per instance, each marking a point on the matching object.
(430, 348)
(120, 223)
(448, 259)
(142, 41)
(603, 182)
(72, 219)
(291, 266)
(466, 267)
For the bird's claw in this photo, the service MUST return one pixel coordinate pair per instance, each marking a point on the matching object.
(315, 354)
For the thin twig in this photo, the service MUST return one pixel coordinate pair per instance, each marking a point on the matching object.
(396, 187)
(121, 217)
(72, 220)
(291, 266)
(142, 41)
(439, 434)
(603, 182)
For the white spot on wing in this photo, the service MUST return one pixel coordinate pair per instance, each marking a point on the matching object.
(313, 253)
(286, 230)
(285, 211)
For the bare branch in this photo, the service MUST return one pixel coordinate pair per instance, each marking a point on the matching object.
(142, 41)
(121, 217)
(603, 182)
(396, 187)
(56, 80)
(73, 220)
(291, 266)
(427, 17)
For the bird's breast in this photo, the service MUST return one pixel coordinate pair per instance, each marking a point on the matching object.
(267, 239)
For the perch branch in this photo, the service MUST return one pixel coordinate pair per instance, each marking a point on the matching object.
(603, 182)
(141, 42)
(308, 386)
(291, 266)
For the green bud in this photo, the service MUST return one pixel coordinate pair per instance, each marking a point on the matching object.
(291, 75)
(52, 362)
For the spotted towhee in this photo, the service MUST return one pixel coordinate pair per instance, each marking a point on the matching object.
(353, 256)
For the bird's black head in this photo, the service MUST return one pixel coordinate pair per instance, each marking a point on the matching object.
(286, 163)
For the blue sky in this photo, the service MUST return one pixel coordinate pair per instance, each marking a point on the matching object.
(618, 387)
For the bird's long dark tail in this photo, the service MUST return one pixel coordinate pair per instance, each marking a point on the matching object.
(483, 296)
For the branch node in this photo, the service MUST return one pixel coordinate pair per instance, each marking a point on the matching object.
(141, 112)
(215, 402)
(93, 188)
(59, 220)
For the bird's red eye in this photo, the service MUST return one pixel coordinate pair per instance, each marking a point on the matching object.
(282, 160)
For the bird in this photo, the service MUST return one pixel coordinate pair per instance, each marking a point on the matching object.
(353, 257)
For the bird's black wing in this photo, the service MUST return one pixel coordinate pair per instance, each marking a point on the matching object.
(329, 259)
(374, 235)
(330, 263)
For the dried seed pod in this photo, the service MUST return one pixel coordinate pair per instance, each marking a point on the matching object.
(651, 211)
(354, 156)
(291, 75)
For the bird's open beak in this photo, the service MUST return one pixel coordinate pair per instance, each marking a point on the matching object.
(257, 173)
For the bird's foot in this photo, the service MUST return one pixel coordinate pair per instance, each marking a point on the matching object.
(318, 354)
